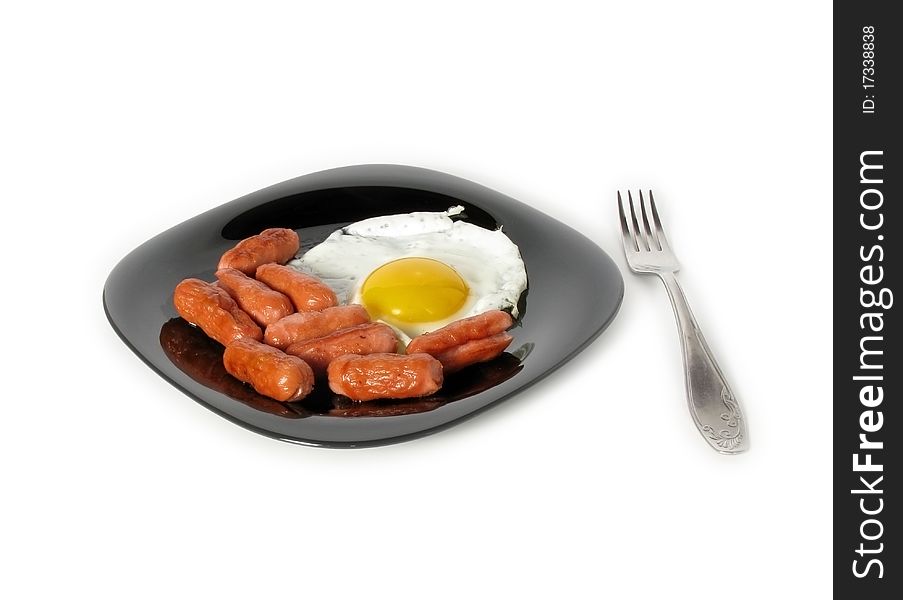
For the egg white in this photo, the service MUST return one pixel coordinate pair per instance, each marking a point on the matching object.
(487, 260)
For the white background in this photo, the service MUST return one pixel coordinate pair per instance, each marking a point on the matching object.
(118, 123)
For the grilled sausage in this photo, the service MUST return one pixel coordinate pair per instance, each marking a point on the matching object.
(474, 351)
(308, 325)
(270, 371)
(265, 306)
(271, 245)
(360, 339)
(213, 310)
(375, 376)
(461, 331)
(306, 291)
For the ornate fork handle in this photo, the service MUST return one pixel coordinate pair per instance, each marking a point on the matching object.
(712, 404)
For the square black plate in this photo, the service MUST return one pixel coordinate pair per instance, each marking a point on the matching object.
(574, 292)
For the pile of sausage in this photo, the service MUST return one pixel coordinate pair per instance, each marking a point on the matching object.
(284, 329)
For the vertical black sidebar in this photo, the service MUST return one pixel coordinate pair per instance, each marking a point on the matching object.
(868, 371)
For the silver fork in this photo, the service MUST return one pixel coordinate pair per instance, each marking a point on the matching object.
(713, 406)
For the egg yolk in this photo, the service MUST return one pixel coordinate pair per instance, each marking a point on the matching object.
(413, 290)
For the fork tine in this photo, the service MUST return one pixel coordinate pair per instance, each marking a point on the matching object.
(659, 230)
(629, 241)
(650, 232)
(640, 238)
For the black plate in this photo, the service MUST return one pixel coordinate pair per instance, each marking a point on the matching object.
(574, 292)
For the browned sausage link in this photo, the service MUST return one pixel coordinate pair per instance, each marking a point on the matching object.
(265, 306)
(360, 339)
(377, 376)
(306, 291)
(270, 245)
(212, 309)
(461, 331)
(474, 351)
(308, 325)
(270, 371)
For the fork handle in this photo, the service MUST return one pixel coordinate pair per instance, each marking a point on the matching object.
(712, 404)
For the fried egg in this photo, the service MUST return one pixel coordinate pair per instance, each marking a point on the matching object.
(419, 271)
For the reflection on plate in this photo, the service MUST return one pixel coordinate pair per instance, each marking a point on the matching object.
(201, 358)
(574, 292)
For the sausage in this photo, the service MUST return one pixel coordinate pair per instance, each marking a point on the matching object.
(303, 326)
(306, 291)
(360, 339)
(213, 310)
(270, 245)
(375, 376)
(265, 306)
(270, 371)
(461, 331)
(472, 352)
